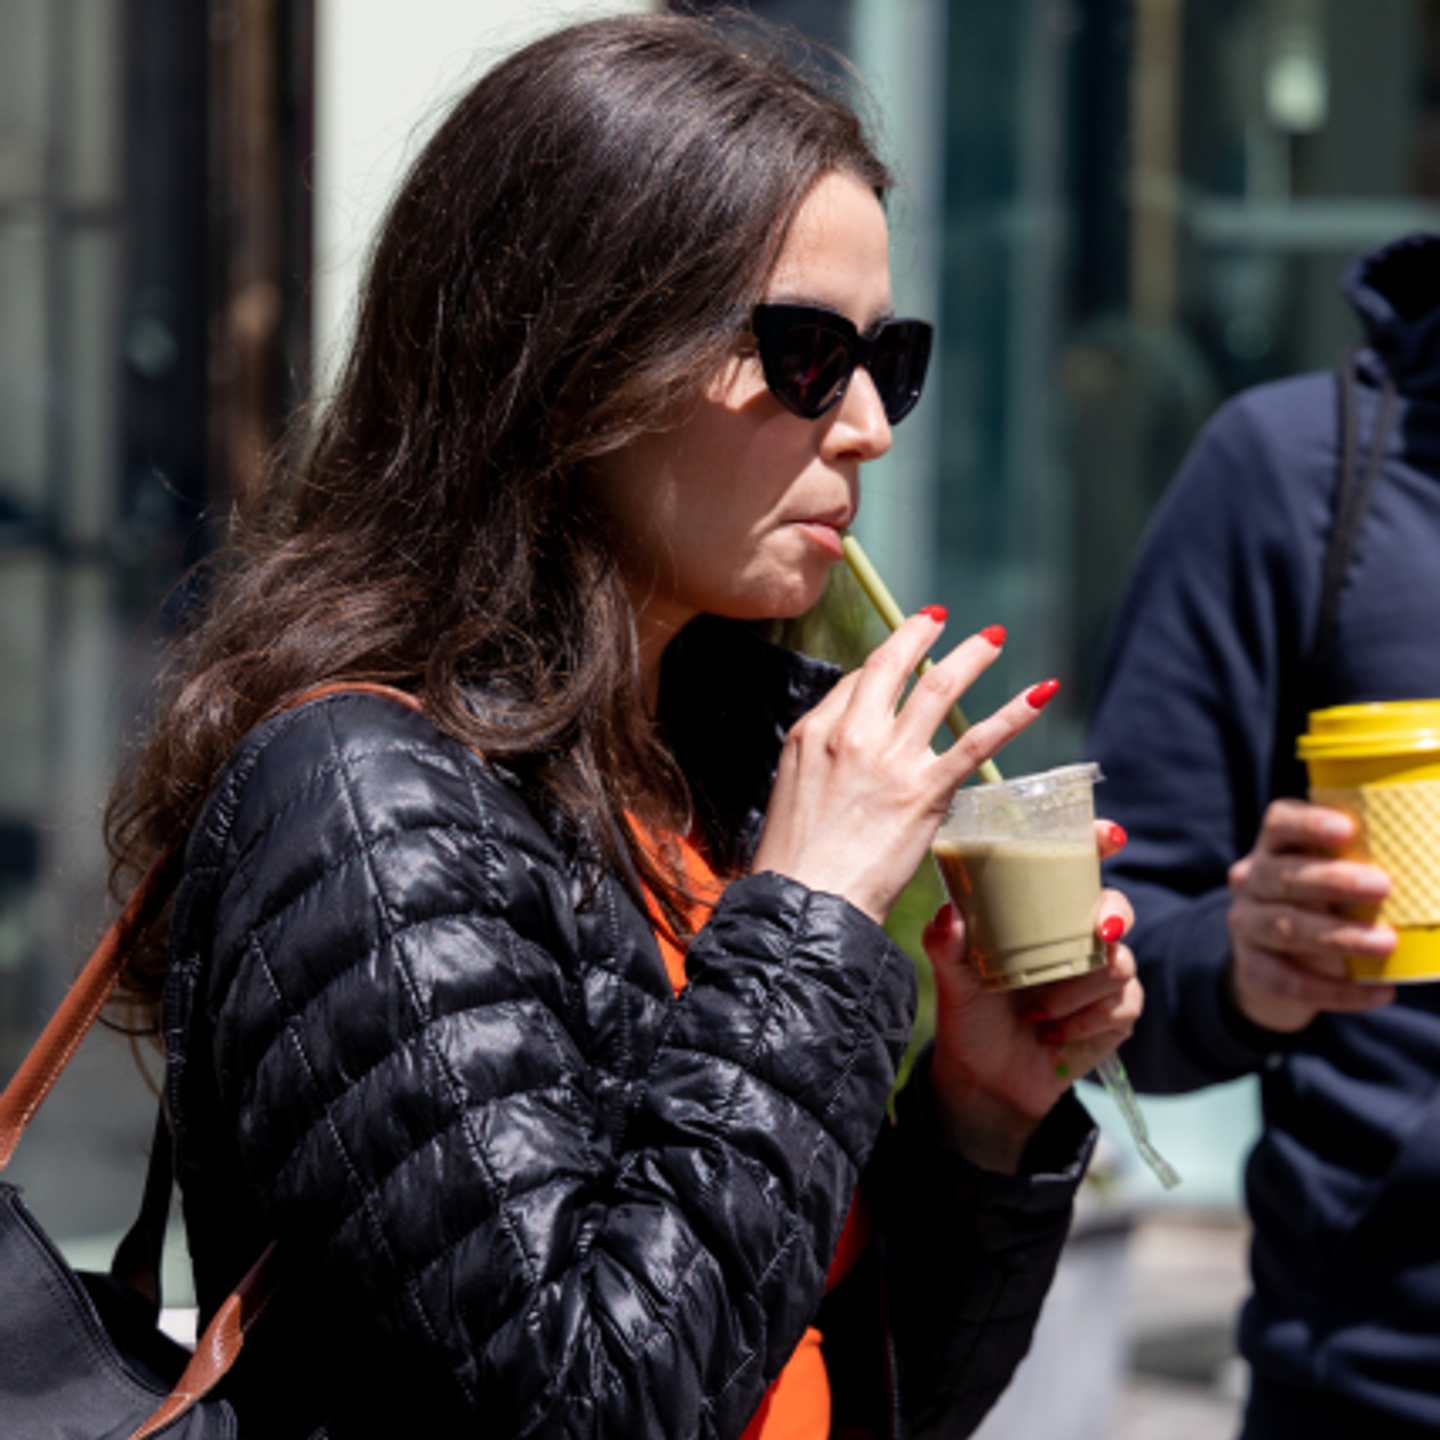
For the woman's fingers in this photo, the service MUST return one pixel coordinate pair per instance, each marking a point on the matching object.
(1115, 917)
(944, 936)
(883, 676)
(869, 697)
(877, 685)
(1105, 1002)
(859, 789)
(987, 737)
(1064, 998)
(1110, 838)
(945, 682)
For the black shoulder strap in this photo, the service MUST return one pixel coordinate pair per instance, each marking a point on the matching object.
(1352, 499)
(138, 1256)
(1353, 491)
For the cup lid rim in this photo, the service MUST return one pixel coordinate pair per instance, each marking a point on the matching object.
(1039, 782)
(1378, 728)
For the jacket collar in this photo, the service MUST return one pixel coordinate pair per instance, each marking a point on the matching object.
(1395, 289)
(727, 699)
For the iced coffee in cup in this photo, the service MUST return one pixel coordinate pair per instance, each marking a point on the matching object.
(1381, 764)
(1020, 862)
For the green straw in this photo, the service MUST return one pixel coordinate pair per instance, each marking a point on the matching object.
(868, 578)
(1111, 1070)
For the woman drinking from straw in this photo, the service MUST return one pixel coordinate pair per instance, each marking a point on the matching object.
(536, 999)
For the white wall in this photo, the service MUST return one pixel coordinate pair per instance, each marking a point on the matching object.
(385, 71)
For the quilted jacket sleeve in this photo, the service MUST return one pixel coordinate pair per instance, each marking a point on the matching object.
(605, 1210)
(967, 1256)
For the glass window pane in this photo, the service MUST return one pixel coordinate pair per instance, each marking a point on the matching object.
(24, 113)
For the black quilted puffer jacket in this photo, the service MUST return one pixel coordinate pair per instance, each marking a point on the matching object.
(524, 1188)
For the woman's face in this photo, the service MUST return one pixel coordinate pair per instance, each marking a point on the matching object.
(739, 510)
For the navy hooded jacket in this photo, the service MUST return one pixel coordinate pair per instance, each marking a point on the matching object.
(1194, 727)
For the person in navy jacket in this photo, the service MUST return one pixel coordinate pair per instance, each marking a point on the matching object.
(1234, 878)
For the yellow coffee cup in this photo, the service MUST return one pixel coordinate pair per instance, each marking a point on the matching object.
(1381, 764)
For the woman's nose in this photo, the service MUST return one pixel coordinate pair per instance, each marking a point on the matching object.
(859, 429)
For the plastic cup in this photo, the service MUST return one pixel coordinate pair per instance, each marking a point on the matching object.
(1019, 860)
(1381, 764)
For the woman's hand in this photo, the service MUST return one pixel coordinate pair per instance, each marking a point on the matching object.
(1287, 940)
(1002, 1059)
(859, 792)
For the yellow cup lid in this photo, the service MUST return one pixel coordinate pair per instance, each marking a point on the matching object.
(1361, 732)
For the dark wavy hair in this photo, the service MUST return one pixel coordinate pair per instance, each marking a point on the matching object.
(566, 265)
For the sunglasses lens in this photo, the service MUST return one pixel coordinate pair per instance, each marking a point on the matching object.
(810, 354)
(814, 363)
(898, 367)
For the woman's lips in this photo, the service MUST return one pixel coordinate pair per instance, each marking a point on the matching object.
(826, 535)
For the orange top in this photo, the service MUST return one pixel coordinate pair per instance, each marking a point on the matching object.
(797, 1404)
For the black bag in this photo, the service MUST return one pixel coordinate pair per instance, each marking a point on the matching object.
(81, 1355)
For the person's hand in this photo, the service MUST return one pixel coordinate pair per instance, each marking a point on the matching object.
(1002, 1059)
(859, 792)
(1288, 939)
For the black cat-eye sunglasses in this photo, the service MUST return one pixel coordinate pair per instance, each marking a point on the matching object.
(809, 355)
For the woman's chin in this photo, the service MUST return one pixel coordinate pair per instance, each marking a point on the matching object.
(783, 596)
(791, 604)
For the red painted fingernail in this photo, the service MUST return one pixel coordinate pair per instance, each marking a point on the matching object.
(1118, 837)
(995, 634)
(1042, 694)
(1112, 929)
(938, 613)
(941, 920)
(1048, 1035)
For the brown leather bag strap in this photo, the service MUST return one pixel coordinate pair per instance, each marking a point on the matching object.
(82, 1005)
(219, 1347)
(361, 687)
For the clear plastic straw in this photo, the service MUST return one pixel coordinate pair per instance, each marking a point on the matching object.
(1117, 1085)
(1110, 1070)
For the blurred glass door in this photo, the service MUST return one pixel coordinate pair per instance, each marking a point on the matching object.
(153, 272)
